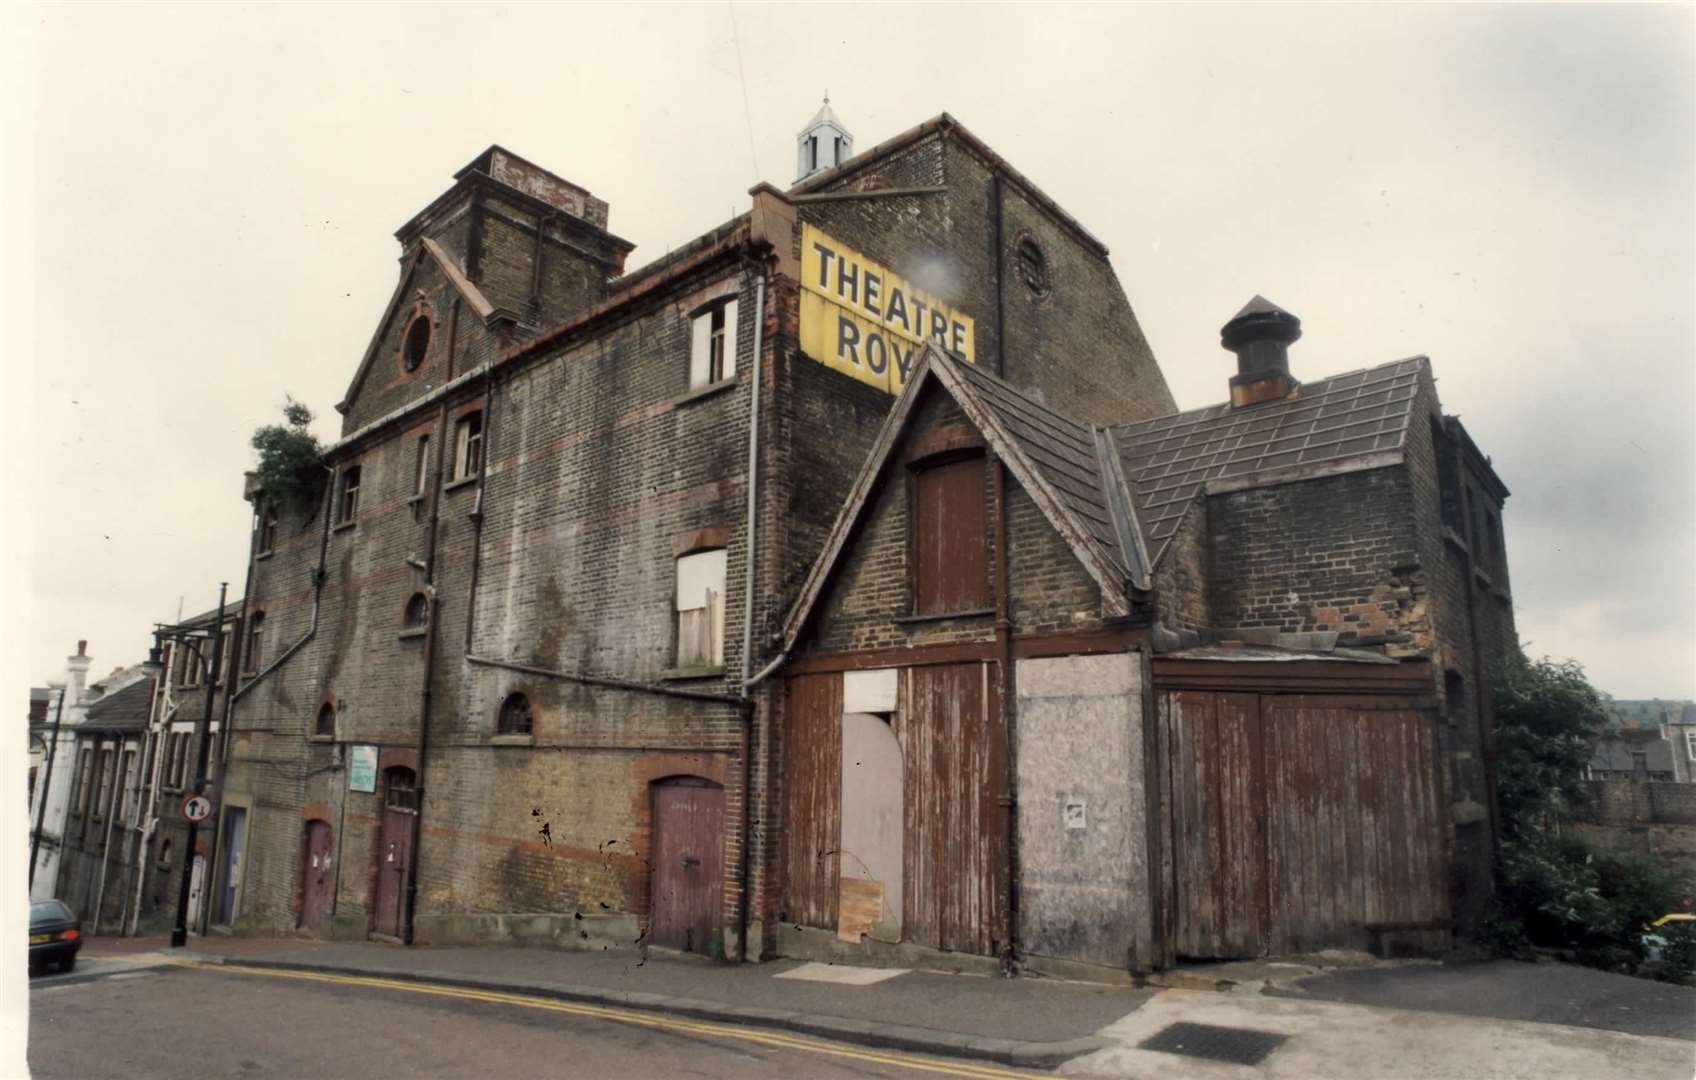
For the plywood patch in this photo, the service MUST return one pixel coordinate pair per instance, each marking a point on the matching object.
(859, 907)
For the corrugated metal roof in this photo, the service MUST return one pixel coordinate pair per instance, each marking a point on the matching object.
(1168, 459)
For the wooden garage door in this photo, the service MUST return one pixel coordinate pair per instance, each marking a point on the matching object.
(955, 855)
(1299, 821)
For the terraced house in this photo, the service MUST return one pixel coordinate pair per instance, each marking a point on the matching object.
(846, 582)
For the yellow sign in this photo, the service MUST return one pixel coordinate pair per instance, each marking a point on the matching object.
(866, 322)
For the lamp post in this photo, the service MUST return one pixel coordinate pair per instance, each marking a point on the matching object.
(179, 933)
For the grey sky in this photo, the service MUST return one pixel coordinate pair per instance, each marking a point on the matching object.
(200, 202)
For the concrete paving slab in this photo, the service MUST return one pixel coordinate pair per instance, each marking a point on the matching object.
(840, 974)
(1330, 1041)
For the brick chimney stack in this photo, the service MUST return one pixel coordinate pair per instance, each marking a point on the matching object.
(76, 675)
(1261, 334)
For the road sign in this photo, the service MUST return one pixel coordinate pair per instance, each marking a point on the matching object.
(197, 808)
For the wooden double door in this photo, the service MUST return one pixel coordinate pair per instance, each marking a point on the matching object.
(1298, 822)
(954, 805)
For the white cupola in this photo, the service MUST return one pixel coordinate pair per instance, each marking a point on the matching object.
(823, 144)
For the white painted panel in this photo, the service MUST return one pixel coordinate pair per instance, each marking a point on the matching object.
(696, 574)
(700, 337)
(872, 813)
(868, 691)
(730, 339)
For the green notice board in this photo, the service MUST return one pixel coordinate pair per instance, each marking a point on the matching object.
(362, 768)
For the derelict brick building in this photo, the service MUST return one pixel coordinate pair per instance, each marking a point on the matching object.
(496, 673)
(1100, 697)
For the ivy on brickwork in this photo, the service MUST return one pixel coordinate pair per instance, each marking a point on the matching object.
(290, 471)
(1560, 890)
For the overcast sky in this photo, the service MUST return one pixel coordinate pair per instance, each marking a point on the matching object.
(200, 202)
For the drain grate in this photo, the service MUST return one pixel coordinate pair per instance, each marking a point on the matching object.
(1239, 1046)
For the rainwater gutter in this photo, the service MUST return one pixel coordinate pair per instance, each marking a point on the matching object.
(424, 698)
(748, 614)
(1004, 657)
(317, 606)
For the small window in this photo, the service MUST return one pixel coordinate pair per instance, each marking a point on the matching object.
(255, 640)
(950, 570)
(417, 612)
(267, 530)
(417, 342)
(191, 667)
(326, 722)
(700, 609)
(185, 743)
(108, 773)
(129, 782)
(400, 790)
(1033, 267)
(1690, 745)
(712, 345)
(347, 500)
(85, 780)
(812, 152)
(421, 467)
(515, 715)
(468, 446)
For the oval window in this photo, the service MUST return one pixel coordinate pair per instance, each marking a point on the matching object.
(417, 342)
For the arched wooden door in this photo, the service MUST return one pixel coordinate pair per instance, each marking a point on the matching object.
(687, 863)
(317, 877)
(394, 850)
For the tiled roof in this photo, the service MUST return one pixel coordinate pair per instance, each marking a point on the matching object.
(1169, 459)
(125, 710)
(1064, 451)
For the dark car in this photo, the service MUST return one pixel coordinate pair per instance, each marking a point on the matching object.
(55, 935)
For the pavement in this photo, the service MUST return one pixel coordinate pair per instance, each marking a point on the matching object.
(1428, 1020)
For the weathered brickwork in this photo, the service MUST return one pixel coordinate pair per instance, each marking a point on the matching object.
(1076, 347)
(601, 467)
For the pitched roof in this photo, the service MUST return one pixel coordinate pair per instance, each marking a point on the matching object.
(1355, 418)
(1060, 463)
(467, 289)
(125, 710)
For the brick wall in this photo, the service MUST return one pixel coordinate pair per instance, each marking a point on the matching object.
(1079, 348)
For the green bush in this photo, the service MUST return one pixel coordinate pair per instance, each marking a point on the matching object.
(1562, 892)
(1557, 890)
(290, 471)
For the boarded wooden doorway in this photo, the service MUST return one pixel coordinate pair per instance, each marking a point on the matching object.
(812, 798)
(394, 851)
(317, 881)
(955, 858)
(687, 863)
(1298, 822)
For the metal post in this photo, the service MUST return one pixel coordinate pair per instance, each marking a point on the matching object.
(179, 933)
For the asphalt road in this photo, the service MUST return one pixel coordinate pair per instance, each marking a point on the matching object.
(195, 1023)
(1507, 990)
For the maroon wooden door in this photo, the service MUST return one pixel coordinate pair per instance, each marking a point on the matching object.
(955, 857)
(687, 863)
(318, 881)
(393, 863)
(812, 798)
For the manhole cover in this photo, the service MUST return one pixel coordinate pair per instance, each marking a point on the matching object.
(1240, 1046)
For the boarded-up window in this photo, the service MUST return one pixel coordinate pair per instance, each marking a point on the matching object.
(700, 609)
(950, 565)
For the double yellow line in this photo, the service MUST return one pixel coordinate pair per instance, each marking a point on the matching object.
(626, 1016)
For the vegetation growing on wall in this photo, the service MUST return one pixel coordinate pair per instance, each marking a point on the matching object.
(1559, 890)
(290, 470)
